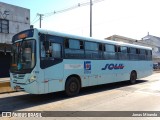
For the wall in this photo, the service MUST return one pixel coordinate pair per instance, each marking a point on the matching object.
(19, 19)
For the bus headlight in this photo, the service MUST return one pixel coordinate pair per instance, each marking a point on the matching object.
(32, 78)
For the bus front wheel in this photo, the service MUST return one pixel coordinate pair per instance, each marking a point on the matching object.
(72, 86)
(133, 77)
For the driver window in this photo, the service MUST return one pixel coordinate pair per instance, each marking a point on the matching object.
(43, 52)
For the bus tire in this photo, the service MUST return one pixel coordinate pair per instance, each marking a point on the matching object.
(133, 77)
(72, 86)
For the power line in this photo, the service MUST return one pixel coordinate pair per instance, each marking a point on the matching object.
(71, 8)
(96, 1)
(60, 11)
(34, 19)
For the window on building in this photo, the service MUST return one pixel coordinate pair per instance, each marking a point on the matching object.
(4, 26)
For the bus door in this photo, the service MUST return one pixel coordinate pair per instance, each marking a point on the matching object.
(53, 67)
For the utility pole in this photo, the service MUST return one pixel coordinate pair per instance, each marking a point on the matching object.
(40, 18)
(90, 18)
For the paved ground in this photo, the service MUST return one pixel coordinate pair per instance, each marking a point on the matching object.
(5, 85)
(143, 96)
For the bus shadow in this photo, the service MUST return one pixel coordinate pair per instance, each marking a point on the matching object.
(24, 101)
(14, 103)
(110, 86)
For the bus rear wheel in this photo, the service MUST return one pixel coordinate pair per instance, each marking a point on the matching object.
(72, 86)
(133, 77)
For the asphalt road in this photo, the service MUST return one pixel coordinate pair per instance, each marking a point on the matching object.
(142, 96)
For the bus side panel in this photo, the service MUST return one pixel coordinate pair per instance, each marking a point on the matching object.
(41, 87)
(75, 67)
(95, 72)
(105, 71)
(91, 72)
(145, 69)
(142, 68)
(123, 74)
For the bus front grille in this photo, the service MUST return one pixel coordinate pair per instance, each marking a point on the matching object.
(18, 76)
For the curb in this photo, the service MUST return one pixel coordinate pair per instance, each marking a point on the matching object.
(5, 87)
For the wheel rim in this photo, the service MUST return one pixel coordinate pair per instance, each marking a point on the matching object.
(73, 87)
(133, 77)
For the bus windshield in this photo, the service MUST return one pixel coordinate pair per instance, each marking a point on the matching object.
(23, 55)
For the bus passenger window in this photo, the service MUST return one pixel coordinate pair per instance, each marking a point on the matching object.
(123, 55)
(46, 52)
(81, 45)
(56, 50)
(74, 49)
(132, 54)
(109, 52)
(66, 43)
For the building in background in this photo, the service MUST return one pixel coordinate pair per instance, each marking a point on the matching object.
(155, 42)
(13, 19)
(149, 41)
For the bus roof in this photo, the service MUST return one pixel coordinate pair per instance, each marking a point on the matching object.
(89, 38)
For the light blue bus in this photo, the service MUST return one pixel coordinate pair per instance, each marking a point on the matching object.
(45, 61)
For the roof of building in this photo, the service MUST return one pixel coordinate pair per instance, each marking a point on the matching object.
(13, 5)
(147, 37)
(122, 37)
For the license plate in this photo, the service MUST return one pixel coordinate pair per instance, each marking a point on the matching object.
(17, 88)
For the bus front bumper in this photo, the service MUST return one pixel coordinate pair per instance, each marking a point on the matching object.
(30, 87)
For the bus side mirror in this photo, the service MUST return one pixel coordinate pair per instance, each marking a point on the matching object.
(46, 45)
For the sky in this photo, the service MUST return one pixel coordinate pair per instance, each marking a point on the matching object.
(129, 18)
